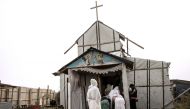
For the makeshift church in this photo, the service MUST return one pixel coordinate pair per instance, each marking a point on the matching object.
(101, 56)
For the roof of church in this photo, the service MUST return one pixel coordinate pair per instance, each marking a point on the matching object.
(100, 36)
(102, 24)
(116, 59)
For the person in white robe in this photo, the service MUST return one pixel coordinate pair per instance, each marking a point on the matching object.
(117, 99)
(93, 95)
(119, 102)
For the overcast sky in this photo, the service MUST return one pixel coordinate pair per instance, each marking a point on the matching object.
(34, 34)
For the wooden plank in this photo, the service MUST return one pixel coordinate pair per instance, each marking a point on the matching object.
(134, 70)
(114, 40)
(83, 43)
(97, 37)
(150, 68)
(69, 48)
(134, 43)
(100, 44)
(163, 85)
(149, 83)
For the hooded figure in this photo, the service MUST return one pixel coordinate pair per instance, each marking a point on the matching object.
(118, 101)
(93, 95)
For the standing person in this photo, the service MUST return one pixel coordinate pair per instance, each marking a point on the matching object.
(105, 101)
(133, 96)
(93, 95)
(118, 101)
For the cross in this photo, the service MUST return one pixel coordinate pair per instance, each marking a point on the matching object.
(96, 9)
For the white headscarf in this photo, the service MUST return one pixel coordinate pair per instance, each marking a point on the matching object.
(93, 82)
(114, 92)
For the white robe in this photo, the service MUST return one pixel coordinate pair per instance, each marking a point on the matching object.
(93, 97)
(119, 100)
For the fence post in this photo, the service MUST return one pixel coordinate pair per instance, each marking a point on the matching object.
(38, 96)
(29, 97)
(12, 95)
(18, 96)
(6, 94)
(47, 96)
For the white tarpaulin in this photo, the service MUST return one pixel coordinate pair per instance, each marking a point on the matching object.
(99, 36)
(151, 79)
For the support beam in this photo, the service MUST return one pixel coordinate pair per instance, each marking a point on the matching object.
(69, 48)
(134, 43)
(125, 86)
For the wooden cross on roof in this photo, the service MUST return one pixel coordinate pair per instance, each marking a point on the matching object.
(97, 6)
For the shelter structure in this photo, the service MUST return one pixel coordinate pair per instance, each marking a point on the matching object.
(101, 55)
(18, 96)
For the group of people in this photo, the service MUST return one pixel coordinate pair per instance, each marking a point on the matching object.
(113, 98)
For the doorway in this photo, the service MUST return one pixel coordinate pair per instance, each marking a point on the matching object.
(112, 78)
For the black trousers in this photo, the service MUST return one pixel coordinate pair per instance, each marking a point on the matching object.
(133, 104)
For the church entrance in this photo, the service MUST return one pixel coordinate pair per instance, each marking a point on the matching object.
(104, 75)
(111, 80)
